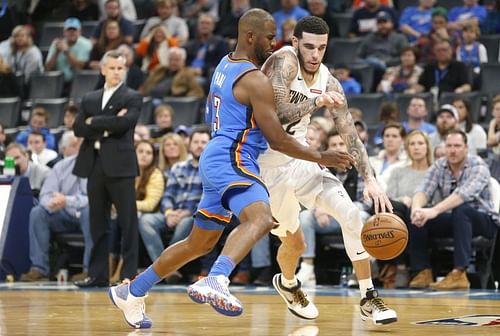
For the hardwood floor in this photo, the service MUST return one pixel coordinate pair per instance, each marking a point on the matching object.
(52, 310)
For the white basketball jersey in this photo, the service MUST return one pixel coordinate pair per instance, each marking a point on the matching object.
(299, 91)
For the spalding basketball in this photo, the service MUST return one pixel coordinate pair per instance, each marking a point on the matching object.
(384, 236)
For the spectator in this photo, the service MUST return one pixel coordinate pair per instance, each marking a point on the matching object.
(312, 138)
(127, 7)
(444, 75)
(417, 113)
(70, 53)
(364, 20)
(290, 9)
(141, 132)
(466, 211)
(154, 48)
(491, 24)
(175, 80)
(63, 208)
(494, 126)
(84, 10)
(402, 78)
(70, 113)
(476, 136)
(382, 47)
(111, 38)
(393, 136)
(469, 13)
(21, 54)
(38, 122)
(319, 8)
(8, 85)
(164, 117)
(227, 26)
(416, 21)
(389, 113)
(349, 84)
(287, 28)
(446, 120)
(3, 142)
(39, 152)
(316, 221)
(113, 11)
(166, 17)
(472, 53)
(206, 49)
(179, 202)
(34, 172)
(172, 150)
(425, 44)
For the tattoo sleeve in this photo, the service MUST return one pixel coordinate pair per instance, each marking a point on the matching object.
(281, 68)
(346, 129)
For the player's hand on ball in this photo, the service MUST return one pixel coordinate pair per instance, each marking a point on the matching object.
(337, 159)
(381, 202)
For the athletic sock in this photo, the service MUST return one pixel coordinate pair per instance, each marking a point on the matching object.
(288, 283)
(364, 286)
(144, 282)
(224, 265)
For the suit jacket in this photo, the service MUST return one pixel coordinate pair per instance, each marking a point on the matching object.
(217, 48)
(117, 153)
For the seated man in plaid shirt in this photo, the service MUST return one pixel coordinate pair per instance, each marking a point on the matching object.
(466, 211)
(180, 200)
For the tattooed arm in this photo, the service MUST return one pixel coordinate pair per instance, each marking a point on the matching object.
(347, 130)
(282, 68)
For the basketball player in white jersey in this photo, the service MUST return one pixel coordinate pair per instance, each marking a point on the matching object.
(301, 83)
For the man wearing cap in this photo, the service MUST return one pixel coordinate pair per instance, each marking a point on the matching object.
(364, 19)
(446, 120)
(382, 47)
(466, 211)
(70, 53)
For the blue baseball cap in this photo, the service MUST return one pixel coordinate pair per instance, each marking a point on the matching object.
(72, 23)
(183, 129)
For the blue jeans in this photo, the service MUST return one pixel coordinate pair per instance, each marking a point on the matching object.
(462, 224)
(261, 253)
(152, 227)
(310, 227)
(42, 223)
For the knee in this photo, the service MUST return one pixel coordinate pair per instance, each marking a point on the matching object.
(298, 246)
(265, 223)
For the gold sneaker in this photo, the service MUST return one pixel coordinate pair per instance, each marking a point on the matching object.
(422, 280)
(453, 280)
(32, 276)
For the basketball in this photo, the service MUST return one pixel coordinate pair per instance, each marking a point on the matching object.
(384, 236)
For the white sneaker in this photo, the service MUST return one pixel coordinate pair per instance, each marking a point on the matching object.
(372, 307)
(214, 291)
(133, 308)
(306, 276)
(296, 299)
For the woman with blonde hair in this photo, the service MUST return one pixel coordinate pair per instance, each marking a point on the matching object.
(22, 55)
(154, 48)
(172, 150)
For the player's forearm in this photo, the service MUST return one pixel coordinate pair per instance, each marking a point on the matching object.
(289, 112)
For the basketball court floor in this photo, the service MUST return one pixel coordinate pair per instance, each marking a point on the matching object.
(50, 309)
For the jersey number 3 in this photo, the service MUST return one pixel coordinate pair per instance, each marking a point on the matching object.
(216, 121)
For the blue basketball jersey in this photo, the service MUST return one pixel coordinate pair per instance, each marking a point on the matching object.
(227, 116)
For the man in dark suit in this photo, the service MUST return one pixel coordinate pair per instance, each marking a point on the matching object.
(107, 158)
(206, 50)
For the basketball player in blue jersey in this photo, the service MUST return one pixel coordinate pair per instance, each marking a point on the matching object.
(300, 82)
(242, 113)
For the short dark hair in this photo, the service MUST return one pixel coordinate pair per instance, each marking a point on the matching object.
(457, 131)
(311, 24)
(36, 132)
(398, 126)
(72, 109)
(201, 130)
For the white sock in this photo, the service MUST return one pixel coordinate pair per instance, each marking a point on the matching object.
(364, 286)
(305, 267)
(288, 283)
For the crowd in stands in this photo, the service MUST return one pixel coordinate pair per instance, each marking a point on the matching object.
(422, 51)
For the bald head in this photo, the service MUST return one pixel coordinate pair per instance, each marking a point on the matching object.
(253, 20)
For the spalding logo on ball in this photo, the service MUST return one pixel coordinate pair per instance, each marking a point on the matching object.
(384, 236)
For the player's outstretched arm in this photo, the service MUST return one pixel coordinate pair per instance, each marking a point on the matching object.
(345, 127)
(256, 87)
(282, 68)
